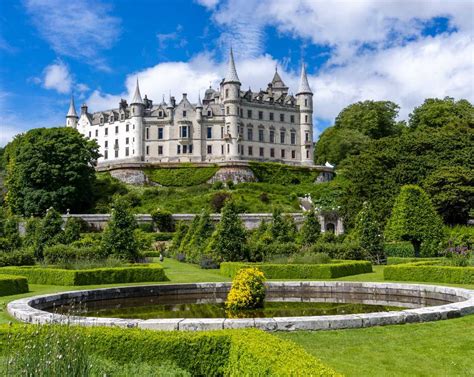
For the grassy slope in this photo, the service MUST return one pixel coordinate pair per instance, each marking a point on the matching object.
(444, 348)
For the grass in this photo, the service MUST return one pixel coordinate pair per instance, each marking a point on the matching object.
(443, 348)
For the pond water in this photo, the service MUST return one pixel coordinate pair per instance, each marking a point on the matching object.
(177, 306)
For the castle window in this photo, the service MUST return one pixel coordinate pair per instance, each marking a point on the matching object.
(282, 137)
(306, 102)
(293, 154)
(209, 132)
(228, 148)
(147, 150)
(185, 148)
(190, 148)
(222, 134)
(270, 115)
(101, 120)
(222, 149)
(260, 115)
(127, 152)
(122, 117)
(282, 117)
(282, 153)
(272, 152)
(127, 127)
(249, 134)
(160, 114)
(209, 149)
(306, 136)
(306, 119)
(260, 136)
(209, 113)
(293, 138)
(106, 155)
(227, 93)
(106, 144)
(116, 153)
(184, 131)
(116, 129)
(184, 114)
(160, 149)
(261, 152)
(116, 145)
(249, 114)
(292, 119)
(307, 154)
(250, 151)
(96, 133)
(147, 132)
(111, 119)
(127, 141)
(178, 149)
(272, 136)
(90, 134)
(106, 131)
(160, 133)
(227, 110)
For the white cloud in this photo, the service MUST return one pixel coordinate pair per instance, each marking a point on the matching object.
(209, 4)
(57, 77)
(79, 29)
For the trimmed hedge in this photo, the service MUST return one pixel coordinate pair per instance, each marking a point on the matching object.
(12, 285)
(429, 271)
(272, 172)
(113, 275)
(181, 176)
(60, 253)
(217, 353)
(17, 258)
(399, 249)
(332, 270)
(400, 260)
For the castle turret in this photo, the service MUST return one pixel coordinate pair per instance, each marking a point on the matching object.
(231, 101)
(137, 107)
(71, 117)
(304, 100)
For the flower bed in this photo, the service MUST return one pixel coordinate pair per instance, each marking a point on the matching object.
(12, 285)
(225, 352)
(430, 271)
(113, 275)
(301, 271)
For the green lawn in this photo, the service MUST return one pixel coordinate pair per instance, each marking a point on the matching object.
(444, 348)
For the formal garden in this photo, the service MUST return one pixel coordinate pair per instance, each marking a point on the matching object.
(405, 198)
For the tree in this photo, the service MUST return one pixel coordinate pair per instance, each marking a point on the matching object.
(184, 246)
(369, 234)
(229, 239)
(311, 229)
(50, 167)
(48, 233)
(72, 230)
(436, 113)
(414, 219)
(178, 237)
(119, 238)
(452, 192)
(201, 236)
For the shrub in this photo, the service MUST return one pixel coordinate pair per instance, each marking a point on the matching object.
(72, 230)
(31, 227)
(230, 184)
(23, 257)
(430, 272)
(163, 220)
(262, 252)
(146, 227)
(219, 199)
(200, 237)
(89, 240)
(264, 197)
(218, 185)
(119, 238)
(182, 176)
(402, 260)
(300, 271)
(399, 249)
(311, 229)
(11, 234)
(184, 246)
(164, 236)
(369, 234)
(282, 174)
(12, 285)
(48, 233)
(247, 291)
(58, 254)
(114, 275)
(178, 238)
(347, 250)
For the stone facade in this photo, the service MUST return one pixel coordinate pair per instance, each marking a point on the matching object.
(229, 124)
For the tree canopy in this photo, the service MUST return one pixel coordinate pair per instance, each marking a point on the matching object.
(50, 167)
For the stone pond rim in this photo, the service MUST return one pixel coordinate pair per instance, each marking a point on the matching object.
(456, 302)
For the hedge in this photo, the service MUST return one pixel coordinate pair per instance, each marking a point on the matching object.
(301, 271)
(400, 260)
(60, 253)
(399, 249)
(212, 353)
(429, 271)
(271, 172)
(112, 275)
(12, 285)
(17, 258)
(181, 176)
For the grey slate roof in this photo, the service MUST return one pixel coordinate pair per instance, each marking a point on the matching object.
(304, 87)
(231, 75)
(72, 109)
(137, 97)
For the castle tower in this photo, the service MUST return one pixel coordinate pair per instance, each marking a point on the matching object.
(199, 144)
(231, 95)
(137, 107)
(304, 100)
(71, 117)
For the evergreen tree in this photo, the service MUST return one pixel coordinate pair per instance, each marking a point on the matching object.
(278, 227)
(201, 236)
(311, 229)
(72, 230)
(48, 233)
(369, 234)
(184, 246)
(414, 219)
(33, 224)
(229, 239)
(178, 237)
(119, 238)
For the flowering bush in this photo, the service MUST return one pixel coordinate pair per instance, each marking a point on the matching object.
(459, 256)
(248, 290)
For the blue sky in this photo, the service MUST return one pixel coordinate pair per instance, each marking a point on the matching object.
(399, 50)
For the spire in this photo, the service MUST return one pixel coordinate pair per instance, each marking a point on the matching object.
(199, 104)
(277, 82)
(304, 88)
(72, 109)
(231, 75)
(137, 97)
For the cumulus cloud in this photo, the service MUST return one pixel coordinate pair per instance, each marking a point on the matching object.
(57, 77)
(209, 4)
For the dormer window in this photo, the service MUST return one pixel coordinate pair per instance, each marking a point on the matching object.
(122, 116)
(101, 120)
(184, 114)
(209, 113)
(160, 114)
(111, 119)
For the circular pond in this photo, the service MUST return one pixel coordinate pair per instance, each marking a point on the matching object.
(289, 306)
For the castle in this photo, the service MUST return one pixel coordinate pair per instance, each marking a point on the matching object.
(228, 125)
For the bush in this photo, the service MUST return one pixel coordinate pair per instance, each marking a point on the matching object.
(218, 185)
(146, 227)
(399, 249)
(311, 229)
(300, 271)
(401, 260)
(72, 229)
(369, 235)
(114, 275)
(347, 250)
(247, 290)
(164, 236)
(59, 254)
(430, 272)
(219, 199)
(88, 240)
(23, 257)
(262, 252)
(207, 353)
(282, 174)
(12, 285)
(178, 238)
(163, 220)
(48, 233)
(182, 176)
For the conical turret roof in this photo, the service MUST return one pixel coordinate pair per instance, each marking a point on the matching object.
(231, 75)
(304, 87)
(72, 109)
(199, 104)
(137, 97)
(277, 82)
